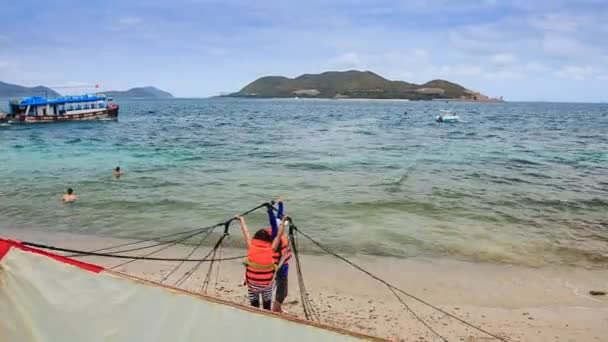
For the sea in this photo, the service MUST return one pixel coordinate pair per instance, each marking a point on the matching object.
(517, 183)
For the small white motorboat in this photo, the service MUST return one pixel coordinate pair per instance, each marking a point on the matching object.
(447, 116)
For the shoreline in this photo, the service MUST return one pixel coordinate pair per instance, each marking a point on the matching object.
(549, 303)
(358, 99)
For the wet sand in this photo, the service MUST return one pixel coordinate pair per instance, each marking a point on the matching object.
(518, 303)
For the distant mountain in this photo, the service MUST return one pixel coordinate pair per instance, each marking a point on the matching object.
(141, 92)
(354, 84)
(13, 90)
(8, 90)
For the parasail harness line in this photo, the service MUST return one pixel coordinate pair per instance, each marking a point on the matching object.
(191, 233)
(68, 250)
(194, 268)
(155, 239)
(166, 246)
(200, 243)
(395, 290)
(310, 312)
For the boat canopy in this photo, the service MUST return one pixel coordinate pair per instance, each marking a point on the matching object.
(37, 100)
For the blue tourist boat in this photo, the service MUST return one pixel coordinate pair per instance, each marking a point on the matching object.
(66, 108)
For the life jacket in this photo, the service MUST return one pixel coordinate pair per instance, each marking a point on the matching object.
(260, 266)
(283, 249)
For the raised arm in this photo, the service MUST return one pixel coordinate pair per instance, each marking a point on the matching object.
(244, 230)
(281, 209)
(277, 239)
(273, 222)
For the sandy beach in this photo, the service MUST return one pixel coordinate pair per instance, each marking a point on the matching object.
(518, 303)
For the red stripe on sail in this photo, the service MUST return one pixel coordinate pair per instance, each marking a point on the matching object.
(5, 246)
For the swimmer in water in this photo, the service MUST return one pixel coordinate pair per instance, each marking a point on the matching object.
(117, 173)
(70, 196)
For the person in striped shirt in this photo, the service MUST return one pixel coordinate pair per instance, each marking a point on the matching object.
(260, 264)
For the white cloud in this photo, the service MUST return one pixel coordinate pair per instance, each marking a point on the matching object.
(125, 23)
(555, 22)
(603, 77)
(421, 54)
(455, 70)
(216, 51)
(10, 71)
(504, 75)
(5, 65)
(129, 21)
(535, 67)
(348, 60)
(72, 84)
(407, 75)
(566, 47)
(573, 72)
(503, 58)
(463, 41)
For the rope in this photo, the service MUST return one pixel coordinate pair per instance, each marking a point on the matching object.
(188, 256)
(115, 254)
(328, 251)
(140, 241)
(309, 310)
(416, 315)
(67, 250)
(194, 268)
(206, 229)
(205, 285)
(173, 243)
(217, 274)
(265, 204)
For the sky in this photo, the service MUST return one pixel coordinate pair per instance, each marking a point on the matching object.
(524, 50)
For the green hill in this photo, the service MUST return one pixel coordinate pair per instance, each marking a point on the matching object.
(350, 84)
(12, 90)
(8, 90)
(141, 92)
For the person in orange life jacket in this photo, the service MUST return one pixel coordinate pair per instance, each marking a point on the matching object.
(284, 252)
(260, 265)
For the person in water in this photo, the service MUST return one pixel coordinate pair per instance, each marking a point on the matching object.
(260, 266)
(70, 196)
(281, 256)
(117, 173)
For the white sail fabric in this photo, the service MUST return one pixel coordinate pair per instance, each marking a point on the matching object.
(46, 300)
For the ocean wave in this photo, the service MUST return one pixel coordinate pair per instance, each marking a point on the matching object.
(418, 188)
(593, 203)
(537, 175)
(192, 158)
(524, 162)
(264, 154)
(146, 205)
(309, 166)
(364, 132)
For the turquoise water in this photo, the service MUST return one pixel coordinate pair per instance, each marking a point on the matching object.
(523, 183)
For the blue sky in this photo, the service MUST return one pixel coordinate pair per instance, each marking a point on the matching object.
(521, 49)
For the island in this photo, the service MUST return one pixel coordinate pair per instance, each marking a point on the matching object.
(140, 93)
(9, 90)
(354, 84)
